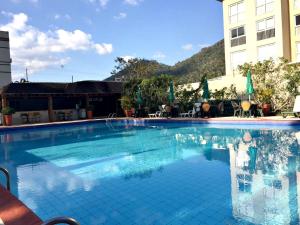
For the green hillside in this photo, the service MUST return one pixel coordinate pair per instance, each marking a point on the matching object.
(209, 61)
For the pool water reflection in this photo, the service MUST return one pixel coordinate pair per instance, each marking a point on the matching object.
(157, 173)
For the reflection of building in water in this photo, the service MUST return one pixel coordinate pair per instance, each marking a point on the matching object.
(262, 198)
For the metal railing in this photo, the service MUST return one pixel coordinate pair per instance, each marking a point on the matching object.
(61, 220)
(6, 173)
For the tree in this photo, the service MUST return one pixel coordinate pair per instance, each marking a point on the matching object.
(274, 82)
(135, 68)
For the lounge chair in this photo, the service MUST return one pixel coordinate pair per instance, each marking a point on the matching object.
(187, 114)
(197, 110)
(296, 109)
(237, 109)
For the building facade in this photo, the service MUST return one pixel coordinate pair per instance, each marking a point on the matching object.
(5, 60)
(256, 30)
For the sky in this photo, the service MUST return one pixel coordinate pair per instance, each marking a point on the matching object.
(58, 39)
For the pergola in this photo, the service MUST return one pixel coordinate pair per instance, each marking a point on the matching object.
(83, 90)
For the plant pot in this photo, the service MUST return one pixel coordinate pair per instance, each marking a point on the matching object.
(266, 108)
(8, 120)
(206, 107)
(128, 112)
(90, 114)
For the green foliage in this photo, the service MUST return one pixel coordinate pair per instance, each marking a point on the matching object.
(154, 91)
(136, 68)
(186, 99)
(8, 111)
(126, 103)
(274, 82)
(219, 94)
(209, 62)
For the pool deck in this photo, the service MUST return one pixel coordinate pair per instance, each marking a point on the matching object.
(14, 212)
(273, 120)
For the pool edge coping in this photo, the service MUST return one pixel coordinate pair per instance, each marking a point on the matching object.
(238, 121)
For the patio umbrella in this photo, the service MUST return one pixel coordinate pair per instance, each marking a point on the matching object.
(249, 86)
(252, 162)
(139, 99)
(206, 94)
(171, 96)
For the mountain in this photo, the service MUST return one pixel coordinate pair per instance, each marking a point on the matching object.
(210, 61)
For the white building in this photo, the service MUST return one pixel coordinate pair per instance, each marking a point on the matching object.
(5, 60)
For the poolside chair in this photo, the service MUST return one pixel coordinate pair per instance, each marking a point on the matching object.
(237, 109)
(296, 109)
(187, 114)
(197, 110)
(246, 108)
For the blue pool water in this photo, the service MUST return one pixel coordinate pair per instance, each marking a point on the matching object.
(157, 173)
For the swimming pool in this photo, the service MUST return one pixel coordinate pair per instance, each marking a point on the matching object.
(157, 173)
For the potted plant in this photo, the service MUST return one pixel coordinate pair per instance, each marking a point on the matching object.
(265, 97)
(90, 110)
(126, 105)
(8, 112)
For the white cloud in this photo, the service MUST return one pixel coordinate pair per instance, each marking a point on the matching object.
(120, 16)
(65, 16)
(19, 1)
(187, 47)
(39, 50)
(127, 57)
(132, 2)
(102, 3)
(159, 55)
(104, 49)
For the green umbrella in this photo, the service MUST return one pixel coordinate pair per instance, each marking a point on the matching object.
(249, 87)
(206, 94)
(252, 162)
(139, 99)
(171, 96)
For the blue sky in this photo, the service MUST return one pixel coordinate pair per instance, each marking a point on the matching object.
(87, 35)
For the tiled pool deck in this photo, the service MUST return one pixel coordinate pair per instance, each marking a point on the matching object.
(274, 120)
(14, 212)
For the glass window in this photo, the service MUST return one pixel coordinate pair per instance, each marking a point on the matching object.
(234, 33)
(264, 6)
(241, 31)
(236, 12)
(266, 52)
(238, 36)
(270, 24)
(238, 58)
(297, 18)
(265, 28)
(297, 4)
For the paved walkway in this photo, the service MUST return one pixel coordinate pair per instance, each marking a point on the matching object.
(14, 212)
(238, 120)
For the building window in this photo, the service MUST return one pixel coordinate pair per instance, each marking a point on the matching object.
(297, 4)
(238, 36)
(266, 52)
(236, 12)
(297, 22)
(238, 58)
(298, 51)
(265, 28)
(264, 6)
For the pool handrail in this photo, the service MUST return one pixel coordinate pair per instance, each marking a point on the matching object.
(6, 173)
(61, 220)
